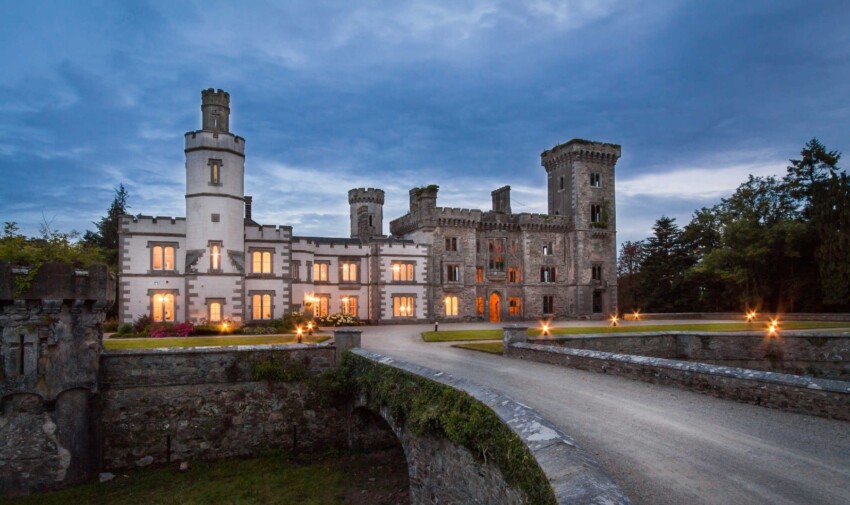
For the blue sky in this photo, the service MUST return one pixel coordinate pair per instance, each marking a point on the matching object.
(335, 95)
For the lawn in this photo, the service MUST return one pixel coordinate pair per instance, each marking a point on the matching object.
(265, 480)
(496, 334)
(152, 343)
(491, 347)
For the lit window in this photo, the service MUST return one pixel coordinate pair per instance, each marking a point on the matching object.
(479, 305)
(162, 257)
(595, 213)
(452, 273)
(261, 307)
(321, 307)
(451, 306)
(596, 272)
(163, 307)
(451, 243)
(547, 274)
(403, 306)
(548, 304)
(320, 272)
(215, 255)
(215, 172)
(349, 272)
(261, 262)
(595, 180)
(402, 272)
(479, 274)
(349, 305)
(513, 274)
(215, 312)
(514, 306)
(496, 247)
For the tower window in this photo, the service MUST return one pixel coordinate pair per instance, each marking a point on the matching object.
(215, 255)
(496, 247)
(548, 304)
(452, 273)
(215, 172)
(595, 213)
(547, 274)
(215, 313)
(596, 272)
(548, 249)
(451, 243)
(595, 180)
(561, 179)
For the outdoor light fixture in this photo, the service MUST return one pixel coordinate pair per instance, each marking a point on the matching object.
(299, 333)
(310, 327)
(773, 327)
(614, 319)
(751, 316)
(636, 314)
(545, 330)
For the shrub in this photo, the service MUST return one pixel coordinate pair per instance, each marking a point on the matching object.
(110, 326)
(339, 319)
(142, 324)
(161, 330)
(125, 329)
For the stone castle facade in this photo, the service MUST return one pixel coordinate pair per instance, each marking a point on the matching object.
(438, 263)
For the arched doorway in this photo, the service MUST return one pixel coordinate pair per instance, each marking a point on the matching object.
(495, 308)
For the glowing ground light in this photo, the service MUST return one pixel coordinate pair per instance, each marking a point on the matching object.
(636, 315)
(751, 315)
(299, 333)
(614, 319)
(545, 329)
(773, 327)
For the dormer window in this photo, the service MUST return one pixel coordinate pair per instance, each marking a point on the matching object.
(215, 172)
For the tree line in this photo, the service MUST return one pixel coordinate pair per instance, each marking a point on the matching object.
(776, 244)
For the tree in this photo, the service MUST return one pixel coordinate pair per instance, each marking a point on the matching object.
(109, 225)
(629, 262)
(831, 222)
(663, 287)
(815, 166)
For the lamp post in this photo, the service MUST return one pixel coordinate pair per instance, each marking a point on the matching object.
(299, 333)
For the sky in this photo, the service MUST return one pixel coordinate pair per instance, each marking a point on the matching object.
(464, 94)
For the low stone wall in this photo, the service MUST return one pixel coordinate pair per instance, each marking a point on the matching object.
(485, 449)
(815, 354)
(163, 405)
(820, 397)
(739, 316)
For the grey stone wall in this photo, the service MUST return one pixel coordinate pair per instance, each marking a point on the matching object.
(177, 404)
(49, 369)
(820, 397)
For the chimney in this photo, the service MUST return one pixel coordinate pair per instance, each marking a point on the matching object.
(502, 200)
(248, 201)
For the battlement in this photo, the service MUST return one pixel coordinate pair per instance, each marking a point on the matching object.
(584, 150)
(366, 195)
(153, 224)
(268, 232)
(203, 139)
(212, 96)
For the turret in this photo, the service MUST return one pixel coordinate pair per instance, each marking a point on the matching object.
(367, 212)
(215, 110)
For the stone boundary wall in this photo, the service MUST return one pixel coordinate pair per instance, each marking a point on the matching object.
(819, 397)
(441, 472)
(164, 405)
(739, 316)
(817, 354)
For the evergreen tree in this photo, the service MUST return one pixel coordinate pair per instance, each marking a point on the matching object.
(831, 222)
(663, 287)
(629, 262)
(108, 227)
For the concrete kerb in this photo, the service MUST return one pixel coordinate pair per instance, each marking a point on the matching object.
(574, 475)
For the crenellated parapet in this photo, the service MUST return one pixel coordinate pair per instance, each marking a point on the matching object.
(580, 150)
(366, 195)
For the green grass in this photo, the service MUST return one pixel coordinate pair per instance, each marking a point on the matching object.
(263, 480)
(459, 335)
(491, 347)
(152, 343)
(627, 328)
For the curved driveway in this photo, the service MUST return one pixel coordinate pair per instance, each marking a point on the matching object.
(662, 445)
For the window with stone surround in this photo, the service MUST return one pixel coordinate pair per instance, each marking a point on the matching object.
(479, 274)
(479, 306)
(595, 180)
(296, 270)
(404, 306)
(162, 306)
(451, 244)
(514, 274)
(515, 306)
(215, 256)
(214, 309)
(451, 306)
(349, 305)
(261, 261)
(402, 271)
(452, 273)
(596, 272)
(349, 271)
(595, 213)
(561, 182)
(320, 307)
(215, 172)
(162, 257)
(548, 304)
(261, 306)
(496, 248)
(547, 274)
(320, 271)
(548, 249)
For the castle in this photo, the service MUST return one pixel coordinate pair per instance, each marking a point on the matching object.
(437, 263)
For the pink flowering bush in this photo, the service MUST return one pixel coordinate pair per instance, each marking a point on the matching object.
(160, 330)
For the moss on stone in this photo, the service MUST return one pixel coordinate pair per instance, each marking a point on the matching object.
(429, 408)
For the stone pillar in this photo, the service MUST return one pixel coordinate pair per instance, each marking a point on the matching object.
(344, 340)
(514, 333)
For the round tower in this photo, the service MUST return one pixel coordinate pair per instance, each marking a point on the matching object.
(215, 203)
(367, 212)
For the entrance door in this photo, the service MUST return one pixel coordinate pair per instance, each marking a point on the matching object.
(495, 308)
(597, 302)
